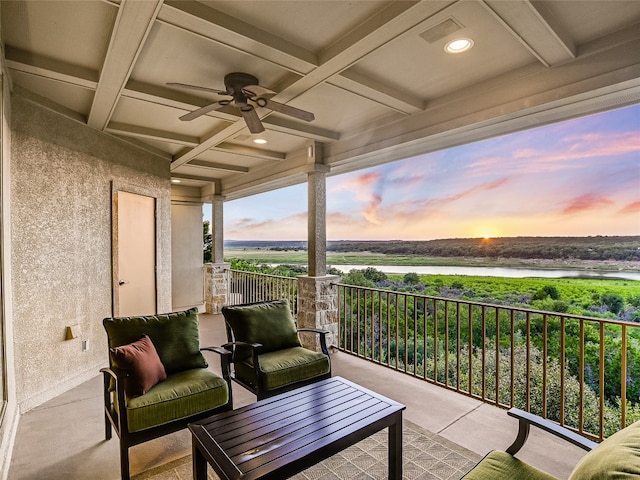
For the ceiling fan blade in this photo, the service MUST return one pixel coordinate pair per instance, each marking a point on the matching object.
(252, 120)
(203, 111)
(286, 109)
(195, 87)
(257, 90)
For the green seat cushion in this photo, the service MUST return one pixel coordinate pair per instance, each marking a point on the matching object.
(616, 457)
(499, 465)
(285, 367)
(181, 395)
(176, 337)
(268, 323)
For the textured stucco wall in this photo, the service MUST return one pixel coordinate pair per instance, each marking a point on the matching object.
(61, 189)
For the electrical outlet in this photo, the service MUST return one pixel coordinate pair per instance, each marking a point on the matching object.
(85, 345)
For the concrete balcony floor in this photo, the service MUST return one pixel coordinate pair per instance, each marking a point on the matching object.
(64, 437)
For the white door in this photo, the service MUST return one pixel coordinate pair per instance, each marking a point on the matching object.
(135, 265)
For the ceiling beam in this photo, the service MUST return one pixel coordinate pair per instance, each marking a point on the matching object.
(136, 131)
(197, 178)
(533, 26)
(34, 64)
(218, 166)
(303, 130)
(249, 151)
(132, 26)
(363, 85)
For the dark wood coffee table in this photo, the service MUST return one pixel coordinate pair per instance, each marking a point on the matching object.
(280, 436)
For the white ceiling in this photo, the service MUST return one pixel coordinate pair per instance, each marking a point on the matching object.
(374, 73)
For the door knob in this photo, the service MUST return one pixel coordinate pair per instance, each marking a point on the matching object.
(122, 282)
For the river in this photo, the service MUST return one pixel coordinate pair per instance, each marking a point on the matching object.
(494, 272)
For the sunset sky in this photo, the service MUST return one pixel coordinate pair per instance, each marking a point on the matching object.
(576, 178)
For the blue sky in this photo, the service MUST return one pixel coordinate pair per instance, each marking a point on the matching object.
(576, 178)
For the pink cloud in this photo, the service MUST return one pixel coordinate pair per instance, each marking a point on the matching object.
(633, 207)
(588, 201)
(587, 146)
(358, 182)
(414, 210)
(371, 211)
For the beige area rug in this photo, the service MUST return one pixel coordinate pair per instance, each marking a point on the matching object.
(427, 456)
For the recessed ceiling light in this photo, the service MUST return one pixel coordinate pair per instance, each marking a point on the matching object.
(260, 141)
(175, 180)
(458, 45)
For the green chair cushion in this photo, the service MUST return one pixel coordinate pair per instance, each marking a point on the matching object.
(175, 336)
(268, 323)
(285, 367)
(616, 457)
(499, 465)
(181, 395)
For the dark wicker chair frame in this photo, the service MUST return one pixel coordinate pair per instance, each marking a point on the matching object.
(117, 418)
(258, 388)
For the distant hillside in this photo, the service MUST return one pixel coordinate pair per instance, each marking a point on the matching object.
(581, 248)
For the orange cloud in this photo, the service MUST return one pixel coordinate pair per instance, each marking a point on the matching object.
(358, 182)
(371, 212)
(588, 201)
(633, 207)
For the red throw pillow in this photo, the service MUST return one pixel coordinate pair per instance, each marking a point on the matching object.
(141, 363)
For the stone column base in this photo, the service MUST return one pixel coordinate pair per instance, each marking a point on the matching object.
(318, 308)
(216, 285)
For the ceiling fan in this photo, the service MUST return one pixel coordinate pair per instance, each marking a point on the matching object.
(244, 88)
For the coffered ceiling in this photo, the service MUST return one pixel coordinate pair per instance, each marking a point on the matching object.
(375, 75)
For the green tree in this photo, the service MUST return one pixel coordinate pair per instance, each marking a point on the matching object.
(374, 275)
(357, 278)
(207, 241)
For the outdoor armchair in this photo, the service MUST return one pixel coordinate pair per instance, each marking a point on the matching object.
(616, 457)
(158, 380)
(268, 356)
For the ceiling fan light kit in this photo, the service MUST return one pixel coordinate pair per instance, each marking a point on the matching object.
(244, 88)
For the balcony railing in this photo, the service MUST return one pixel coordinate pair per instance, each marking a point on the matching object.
(248, 287)
(502, 355)
(582, 372)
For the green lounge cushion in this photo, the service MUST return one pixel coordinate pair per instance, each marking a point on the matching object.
(285, 367)
(499, 465)
(175, 336)
(142, 364)
(181, 395)
(268, 323)
(616, 457)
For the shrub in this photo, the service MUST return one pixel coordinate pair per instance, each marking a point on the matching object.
(411, 278)
(613, 301)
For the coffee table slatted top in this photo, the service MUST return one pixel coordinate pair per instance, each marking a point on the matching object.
(283, 435)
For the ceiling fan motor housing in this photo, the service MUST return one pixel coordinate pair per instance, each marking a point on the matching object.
(236, 81)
